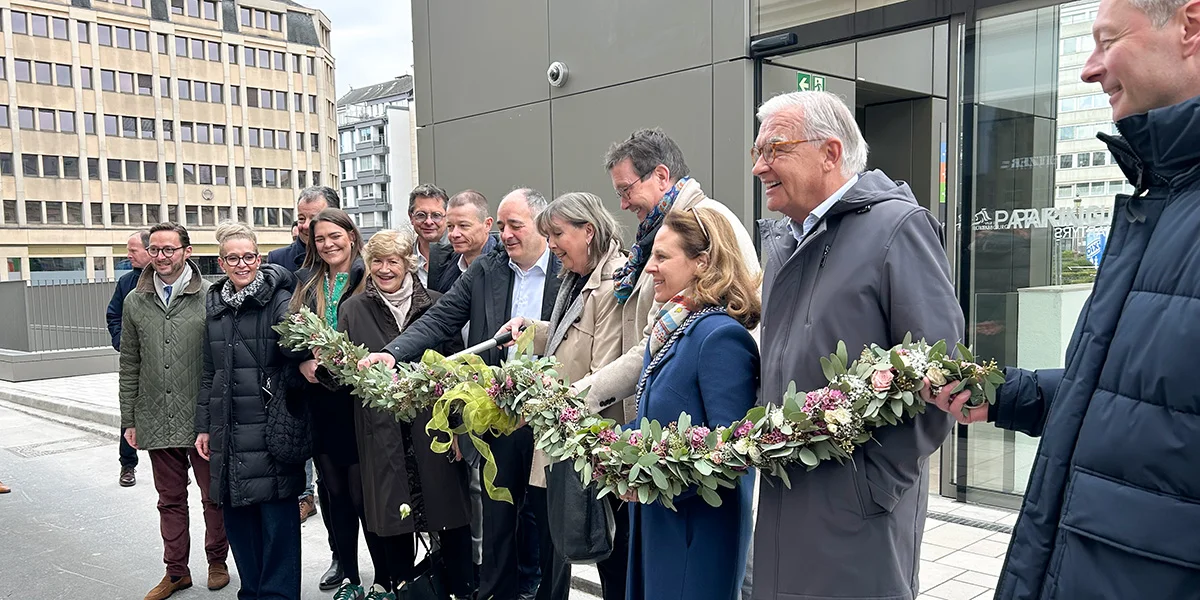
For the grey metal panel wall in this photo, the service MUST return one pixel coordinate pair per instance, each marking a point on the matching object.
(486, 56)
(426, 167)
(730, 30)
(733, 131)
(495, 152)
(900, 60)
(422, 88)
(585, 125)
(14, 328)
(617, 41)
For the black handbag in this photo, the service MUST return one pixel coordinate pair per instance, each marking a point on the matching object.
(428, 583)
(288, 432)
(581, 525)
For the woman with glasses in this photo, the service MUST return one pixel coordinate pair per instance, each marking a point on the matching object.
(242, 356)
(700, 360)
(333, 271)
(397, 465)
(584, 333)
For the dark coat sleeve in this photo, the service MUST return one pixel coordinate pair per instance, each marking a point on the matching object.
(918, 298)
(1024, 400)
(113, 314)
(440, 322)
(206, 380)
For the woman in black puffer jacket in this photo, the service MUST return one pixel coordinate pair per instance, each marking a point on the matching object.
(257, 493)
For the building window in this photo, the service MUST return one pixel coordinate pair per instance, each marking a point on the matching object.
(85, 77)
(214, 51)
(210, 10)
(201, 94)
(198, 49)
(268, 138)
(216, 93)
(249, 56)
(81, 29)
(129, 127)
(256, 177)
(24, 70)
(254, 142)
(244, 15)
(4, 116)
(46, 120)
(232, 52)
(42, 73)
(133, 170)
(89, 123)
(49, 166)
(314, 144)
(181, 46)
(280, 61)
(260, 217)
(93, 167)
(162, 42)
(189, 173)
(33, 216)
(295, 63)
(235, 95)
(275, 21)
(312, 104)
(312, 65)
(260, 19)
(300, 140)
(205, 174)
(6, 163)
(150, 168)
(285, 179)
(123, 38)
(193, 8)
(281, 140)
(29, 165)
(25, 117)
(240, 175)
(108, 80)
(70, 167)
(1099, 158)
(125, 82)
(111, 125)
(39, 25)
(145, 85)
(218, 134)
(264, 59)
(66, 121)
(185, 132)
(141, 40)
(62, 75)
(264, 98)
(201, 133)
(237, 136)
(20, 22)
(116, 210)
(168, 128)
(147, 128)
(169, 175)
(302, 179)
(59, 27)
(221, 175)
(185, 89)
(164, 87)
(104, 35)
(1083, 159)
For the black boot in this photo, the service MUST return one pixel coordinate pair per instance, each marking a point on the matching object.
(333, 577)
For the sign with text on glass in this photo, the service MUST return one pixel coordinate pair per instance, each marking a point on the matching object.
(1096, 241)
(807, 82)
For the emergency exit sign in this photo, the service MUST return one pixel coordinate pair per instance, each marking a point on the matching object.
(807, 82)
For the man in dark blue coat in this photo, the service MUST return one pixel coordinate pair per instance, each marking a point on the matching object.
(312, 200)
(135, 251)
(1113, 502)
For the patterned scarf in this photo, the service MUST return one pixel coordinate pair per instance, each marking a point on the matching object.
(673, 314)
(626, 277)
(398, 302)
(235, 298)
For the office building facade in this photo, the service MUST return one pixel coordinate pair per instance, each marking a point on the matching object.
(377, 146)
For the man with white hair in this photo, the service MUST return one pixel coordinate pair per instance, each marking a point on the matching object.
(854, 259)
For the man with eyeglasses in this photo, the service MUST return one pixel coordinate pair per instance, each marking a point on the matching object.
(427, 206)
(313, 200)
(162, 340)
(855, 258)
(651, 179)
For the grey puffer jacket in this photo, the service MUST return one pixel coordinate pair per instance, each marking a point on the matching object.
(872, 270)
(231, 407)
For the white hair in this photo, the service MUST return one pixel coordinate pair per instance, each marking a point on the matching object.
(822, 115)
(1159, 11)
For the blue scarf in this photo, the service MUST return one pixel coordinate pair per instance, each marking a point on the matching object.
(626, 277)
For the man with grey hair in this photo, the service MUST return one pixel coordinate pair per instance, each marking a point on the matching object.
(135, 251)
(517, 278)
(427, 206)
(1113, 500)
(856, 259)
(312, 200)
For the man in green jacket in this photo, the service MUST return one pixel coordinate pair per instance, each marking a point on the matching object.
(161, 362)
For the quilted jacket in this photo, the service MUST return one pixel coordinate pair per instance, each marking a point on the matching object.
(162, 361)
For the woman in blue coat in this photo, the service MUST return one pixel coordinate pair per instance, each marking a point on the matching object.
(701, 360)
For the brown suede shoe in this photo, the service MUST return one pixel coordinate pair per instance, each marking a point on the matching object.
(165, 588)
(4, 488)
(218, 576)
(307, 507)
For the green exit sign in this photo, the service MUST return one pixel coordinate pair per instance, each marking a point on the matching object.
(807, 82)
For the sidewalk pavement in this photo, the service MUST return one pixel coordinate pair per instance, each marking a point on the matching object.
(961, 555)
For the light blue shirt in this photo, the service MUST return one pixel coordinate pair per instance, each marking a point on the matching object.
(176, 288)
(801, 230)
(528, 289)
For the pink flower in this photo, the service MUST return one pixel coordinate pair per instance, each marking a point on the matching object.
(715, 458)
(882, 380)
(568, 415)
(438, 390)
(697, 437)
(607, 436)
(635, 438)
(744, 429)
(547, 380)
(508, 382)
(659, 448)
(773, 437)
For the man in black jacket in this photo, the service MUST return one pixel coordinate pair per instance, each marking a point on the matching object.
(312, 200)
(499, 285)
(135, 251)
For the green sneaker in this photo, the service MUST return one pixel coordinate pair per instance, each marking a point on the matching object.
(349, 591)
(378, 593)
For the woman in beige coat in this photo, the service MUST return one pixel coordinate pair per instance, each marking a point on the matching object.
(584, 333)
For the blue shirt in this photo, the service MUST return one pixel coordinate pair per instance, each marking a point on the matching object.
(799, 231)
(528, 289)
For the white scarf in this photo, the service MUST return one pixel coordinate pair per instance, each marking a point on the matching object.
(400, 301)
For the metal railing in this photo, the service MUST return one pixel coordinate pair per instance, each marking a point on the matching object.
(63, 315)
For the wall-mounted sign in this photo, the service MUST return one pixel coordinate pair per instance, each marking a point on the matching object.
(807, 82)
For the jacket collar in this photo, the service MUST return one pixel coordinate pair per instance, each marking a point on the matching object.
(1159, 146)
(145, 284)
(690, 196)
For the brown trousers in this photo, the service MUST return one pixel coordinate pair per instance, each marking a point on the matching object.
(170, 479)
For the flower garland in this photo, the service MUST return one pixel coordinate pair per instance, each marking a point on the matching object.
(657, 462)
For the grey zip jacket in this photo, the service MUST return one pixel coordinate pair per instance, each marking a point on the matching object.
(871, 270)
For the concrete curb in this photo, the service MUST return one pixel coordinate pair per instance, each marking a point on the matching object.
(64, 406)
(100, 429)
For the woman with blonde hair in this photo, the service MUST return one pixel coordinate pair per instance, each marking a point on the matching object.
(700, 360)
(584, 333)
(242, 358)
(396, 464)
(333, 272)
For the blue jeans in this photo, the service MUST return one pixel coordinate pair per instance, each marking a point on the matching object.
(265, 539)
(308, 479)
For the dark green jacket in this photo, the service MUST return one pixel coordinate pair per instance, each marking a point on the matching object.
(162, 361)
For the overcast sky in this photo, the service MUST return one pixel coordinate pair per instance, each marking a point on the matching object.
(372, 39)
